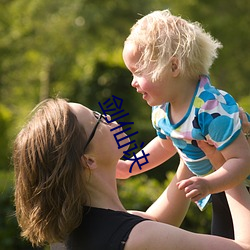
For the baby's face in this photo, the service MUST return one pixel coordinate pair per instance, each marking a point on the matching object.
(152, 92)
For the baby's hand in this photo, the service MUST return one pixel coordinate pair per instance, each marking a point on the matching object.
(195, 187)
(122, 170)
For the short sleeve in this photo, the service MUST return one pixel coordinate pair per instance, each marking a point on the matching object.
(219, 120)
(162, 136)
(159, 121)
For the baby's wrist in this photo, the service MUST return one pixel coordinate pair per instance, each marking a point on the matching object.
(209, 185)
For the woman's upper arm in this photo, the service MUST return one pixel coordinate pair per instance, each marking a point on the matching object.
(172, 205)
(149, 235)
(153, 235)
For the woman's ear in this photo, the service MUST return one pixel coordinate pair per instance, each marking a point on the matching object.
(89, 161)
(175, 66)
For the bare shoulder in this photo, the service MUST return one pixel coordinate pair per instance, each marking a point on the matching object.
(149, 235)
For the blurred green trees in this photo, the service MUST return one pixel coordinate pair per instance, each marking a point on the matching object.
(72, 48)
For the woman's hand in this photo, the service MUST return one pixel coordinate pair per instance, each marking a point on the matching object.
(245, 124)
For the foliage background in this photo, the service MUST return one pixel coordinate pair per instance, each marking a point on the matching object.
(72, 48)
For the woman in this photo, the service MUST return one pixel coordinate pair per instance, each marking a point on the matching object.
(65, 189)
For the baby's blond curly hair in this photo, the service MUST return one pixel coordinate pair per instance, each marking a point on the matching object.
(160, 36)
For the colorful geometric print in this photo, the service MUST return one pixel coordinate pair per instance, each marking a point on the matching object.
(213, 116)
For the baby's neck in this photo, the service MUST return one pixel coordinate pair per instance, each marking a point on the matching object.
(180, 105)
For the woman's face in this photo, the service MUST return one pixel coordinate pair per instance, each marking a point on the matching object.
(103, 143)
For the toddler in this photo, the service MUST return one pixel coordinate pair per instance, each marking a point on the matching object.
(170, 59)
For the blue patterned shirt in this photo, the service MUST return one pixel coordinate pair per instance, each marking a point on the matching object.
(213, 115)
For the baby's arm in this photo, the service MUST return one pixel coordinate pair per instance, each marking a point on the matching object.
(159, 151)
(234, 171)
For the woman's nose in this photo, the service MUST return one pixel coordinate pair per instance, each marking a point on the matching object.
(108, 118)
(113, 123)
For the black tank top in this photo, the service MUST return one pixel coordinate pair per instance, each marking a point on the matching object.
(102, 229)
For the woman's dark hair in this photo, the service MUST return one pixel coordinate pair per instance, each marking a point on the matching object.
(49, 180)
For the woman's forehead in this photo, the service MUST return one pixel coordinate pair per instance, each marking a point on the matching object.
(78, 108)
(84, 115)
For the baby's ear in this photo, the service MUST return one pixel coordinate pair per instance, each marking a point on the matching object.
(89, 161)
(175, 66)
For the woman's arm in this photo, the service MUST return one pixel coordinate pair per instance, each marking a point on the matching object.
(160, 236)
(171, 207)
(239, 203)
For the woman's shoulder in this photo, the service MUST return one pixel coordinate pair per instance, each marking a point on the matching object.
(110, 227)
(156, 235)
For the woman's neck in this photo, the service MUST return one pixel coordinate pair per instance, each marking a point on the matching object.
(102, 189)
